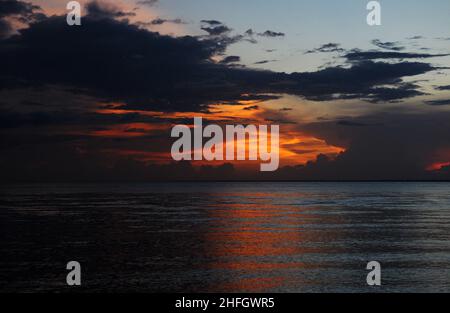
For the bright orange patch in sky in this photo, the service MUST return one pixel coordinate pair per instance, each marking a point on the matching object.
(295, 147)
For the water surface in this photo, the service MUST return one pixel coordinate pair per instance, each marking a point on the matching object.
(226, 237)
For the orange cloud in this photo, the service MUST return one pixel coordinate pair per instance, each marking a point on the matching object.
(295, 147)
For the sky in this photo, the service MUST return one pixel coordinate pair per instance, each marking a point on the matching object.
(98, 101)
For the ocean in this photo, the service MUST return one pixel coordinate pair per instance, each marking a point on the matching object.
(226, 237)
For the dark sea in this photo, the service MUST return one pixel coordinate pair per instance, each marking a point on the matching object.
(225, 237)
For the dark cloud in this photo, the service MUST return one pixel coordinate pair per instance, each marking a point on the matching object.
(443, 87)
(160, 21)
(326, 48)
(128, 63)
(394, 46)
(14, 7)
(99, 9)
(20, 11)
(351, 123)
(361, 81)
(221, 34)
(251, 108)
(250, 32)
(356, 55)
(231, 59)
(65, 116)
(215, 28)
(11, 119)
(264, 62)
(218, 30)
(439, 102)
(212, 22)
(402, 91)
(116, 61)
(271, 33)
(267, 33)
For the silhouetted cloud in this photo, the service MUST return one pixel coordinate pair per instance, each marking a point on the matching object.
(271, 33)
(329, 47)
(268, 33)
(351, 123)
(100, 9)
(218, 30)
(15, 7)
(20, 11)
(215, 28)
(264, 62)
(402, 91)
(212, 22)
(250, 32)
(160, 21)
(361, 81)
(356, 55)
(231, 59)
(439, 102)
(67, 116)
(395, 46)
(146, 70)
